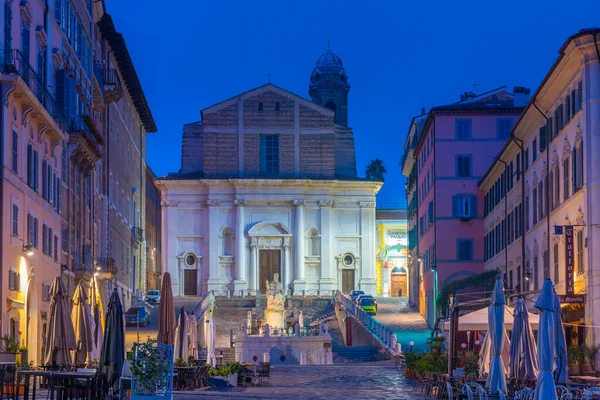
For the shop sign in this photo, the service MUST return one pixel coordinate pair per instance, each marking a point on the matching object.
(394, 236)
(571, 299)
(569, 260)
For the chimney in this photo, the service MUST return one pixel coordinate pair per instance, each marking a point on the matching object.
(422, 110)
(521, 96)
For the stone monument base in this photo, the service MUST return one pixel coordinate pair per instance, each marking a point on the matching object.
(275, 318)
(284, 350)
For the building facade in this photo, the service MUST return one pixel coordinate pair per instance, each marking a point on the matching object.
(452, 151)
(268, 185)
(153, 232)
(392, 240)
(53, 123)
(556, 143)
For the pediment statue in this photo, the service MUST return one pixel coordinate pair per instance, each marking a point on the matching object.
(275, 294)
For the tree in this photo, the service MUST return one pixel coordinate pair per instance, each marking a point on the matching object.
(376, 170)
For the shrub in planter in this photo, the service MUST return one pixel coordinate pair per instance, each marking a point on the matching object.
(574, 354)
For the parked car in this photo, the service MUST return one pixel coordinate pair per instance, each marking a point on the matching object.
(152, 296)
(355, 293)
(138, 315)
(368, 304)
(365, 296)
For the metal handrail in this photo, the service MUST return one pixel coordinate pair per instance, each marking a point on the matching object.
(204, 305)
(12, 62)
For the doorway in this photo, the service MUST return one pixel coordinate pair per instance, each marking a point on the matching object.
(190, 280)
(269, 264)
(347, 280)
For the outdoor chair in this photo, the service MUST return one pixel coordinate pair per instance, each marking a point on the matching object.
(202, 376)
(525, 394)
(474, 391)
(125, 379)
(563, 393)
(263, 371)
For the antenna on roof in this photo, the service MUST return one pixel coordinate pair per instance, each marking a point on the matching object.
(269, 77)
(475, 85)
(328, 47)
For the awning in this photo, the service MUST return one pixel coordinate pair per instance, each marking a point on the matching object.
(14, 304)
(478, 320)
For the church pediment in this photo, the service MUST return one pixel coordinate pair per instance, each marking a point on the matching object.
(269, 228)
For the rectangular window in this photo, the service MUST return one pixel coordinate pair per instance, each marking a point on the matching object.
(463, 128)
(15, 220)
(526, 159)
(46, 288)
(36, 171)
(14, 281)
(555, 261)
(519, 277)
(15, 152)
(580, 165)
(543, 139)
(579, 252)
(541, 199)
(510, 279)
(64, 165)
(580, 93)
(535, 272)
(465, 249)
(430, 212)
(503, 127)
(269, 154)
(550, 191)
(535, 205)
(556, 186)
(546, 264)
(534, 149)
(566, 180)
(568, 108)
(463, 166)
(518, 162)
(55, 248)
(526, 214)
(64, 239)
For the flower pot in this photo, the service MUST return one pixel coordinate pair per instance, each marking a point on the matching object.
(574, 369)
(8, 388)
(8, 357)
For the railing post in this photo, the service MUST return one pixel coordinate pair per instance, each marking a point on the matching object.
(228, 294)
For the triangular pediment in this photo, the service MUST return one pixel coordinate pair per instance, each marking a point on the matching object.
(269, 87)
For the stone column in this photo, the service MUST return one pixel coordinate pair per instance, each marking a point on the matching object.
(241, 267)
(299, 281)
(253, 284)
(214, 277)
(328, 264)
(367, 247)
(287, 266)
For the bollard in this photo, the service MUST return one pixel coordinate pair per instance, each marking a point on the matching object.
(228, 294)
(243, 294)
(267, 330)
(302, 358)
(303, 293)
(266, 357)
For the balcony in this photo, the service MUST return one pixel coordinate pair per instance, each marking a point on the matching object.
(38, 99)
(113, 90)
(137, 237)
(106, 265)
(86, 139)
(83, 265)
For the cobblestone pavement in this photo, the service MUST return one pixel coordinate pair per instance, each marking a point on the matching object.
(320, 382)
(406, 322)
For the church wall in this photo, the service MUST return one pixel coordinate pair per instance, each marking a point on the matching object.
(251, 153)
(221, 155)
(311, 119)
(269, 117)
(287, 155)
(227, 117)
(317, 155)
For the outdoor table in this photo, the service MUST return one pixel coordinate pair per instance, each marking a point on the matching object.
(248, 372)
(592, 380)
(70, 382)
(29, 377)
(181, 375)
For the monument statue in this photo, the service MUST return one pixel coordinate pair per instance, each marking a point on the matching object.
(275, 294)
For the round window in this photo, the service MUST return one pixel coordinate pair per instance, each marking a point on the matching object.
(190, 260)
(348, 259)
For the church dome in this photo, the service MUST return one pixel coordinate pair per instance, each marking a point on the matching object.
(329, 66)
(329, 59)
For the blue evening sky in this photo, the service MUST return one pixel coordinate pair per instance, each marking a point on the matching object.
(400, 56)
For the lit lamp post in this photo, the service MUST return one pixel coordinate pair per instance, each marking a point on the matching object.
(477, 343)
(411, 344)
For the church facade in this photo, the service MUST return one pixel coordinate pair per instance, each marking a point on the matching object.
(267, 185)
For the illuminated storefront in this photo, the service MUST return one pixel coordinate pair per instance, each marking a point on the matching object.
(392, 240)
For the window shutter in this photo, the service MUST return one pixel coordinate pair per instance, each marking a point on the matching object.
(455, 206)
(580, 93)
(30, 165)
(574, 173)
(36, 173)
(35, 232)
(473, 206)
(44, 180)
(580, 165)
(543, 140)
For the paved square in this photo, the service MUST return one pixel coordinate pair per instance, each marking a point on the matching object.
(320, 382)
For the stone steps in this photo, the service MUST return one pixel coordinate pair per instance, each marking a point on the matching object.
(355, 354)
(228, 354)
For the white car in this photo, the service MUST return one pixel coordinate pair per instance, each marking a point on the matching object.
(152, 296)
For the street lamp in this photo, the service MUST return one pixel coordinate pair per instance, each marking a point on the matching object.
(28, 249)
(477, 342)
(411, 344)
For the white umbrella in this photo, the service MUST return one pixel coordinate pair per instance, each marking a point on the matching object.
(193, 338)
(496, 380)
(212, 338)
(485, 355)
(181, 336)
(545, 388)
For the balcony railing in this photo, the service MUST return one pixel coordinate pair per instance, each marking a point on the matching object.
(78, 125)
(111, 85)
(12, 62)
(137, 236)
(83, 262)
(106, 264)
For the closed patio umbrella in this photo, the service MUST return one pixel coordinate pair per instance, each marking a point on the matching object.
(211, 342)
(113, 345)
(166, 312)
(560, 360)
(496, 380)
(545, 388)
(193, 338)
(181, 336)
(81, 315)
(485, 355)
(523, 357)
(61, 337)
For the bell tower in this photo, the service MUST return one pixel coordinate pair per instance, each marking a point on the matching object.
(329, 85)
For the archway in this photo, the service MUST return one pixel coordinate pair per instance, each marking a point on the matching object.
(269, 254)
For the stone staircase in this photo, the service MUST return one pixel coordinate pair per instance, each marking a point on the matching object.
(355, 354)
(228, 354)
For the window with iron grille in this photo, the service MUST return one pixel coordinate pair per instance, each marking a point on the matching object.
(45, 292)
(546, 264)
(15, 220)
(566, 181)
(13, 281)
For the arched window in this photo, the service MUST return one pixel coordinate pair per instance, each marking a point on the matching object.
(227, 242)
(13, 329)
(313, 241)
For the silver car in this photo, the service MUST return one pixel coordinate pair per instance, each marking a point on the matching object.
(152, 296)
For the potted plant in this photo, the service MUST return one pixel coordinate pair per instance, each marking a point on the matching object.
(228, 373)
(150, 371)
(10, 349)
(23, 350)
(574, 357)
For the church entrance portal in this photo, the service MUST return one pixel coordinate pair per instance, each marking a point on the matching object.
(190, 279)
(269, 264)
(347, 280)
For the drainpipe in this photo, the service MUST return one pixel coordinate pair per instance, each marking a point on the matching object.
(546, 186)
(416, 195)
(519, 143)
(505, 220)
(434, 267)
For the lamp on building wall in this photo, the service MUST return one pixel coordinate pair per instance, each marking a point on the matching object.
(28, 249)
